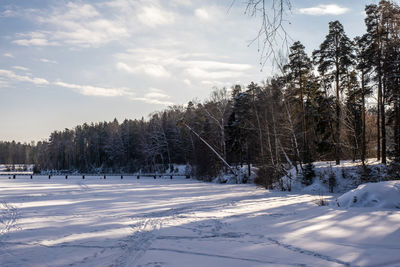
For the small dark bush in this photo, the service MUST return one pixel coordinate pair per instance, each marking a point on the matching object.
(308, 174)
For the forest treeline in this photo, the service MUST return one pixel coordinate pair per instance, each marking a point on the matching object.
(341, 102)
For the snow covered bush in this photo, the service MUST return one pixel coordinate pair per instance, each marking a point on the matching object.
(384, 195)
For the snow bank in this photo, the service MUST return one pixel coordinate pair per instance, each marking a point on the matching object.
(381, 195)
(316, 188)
(347, 176)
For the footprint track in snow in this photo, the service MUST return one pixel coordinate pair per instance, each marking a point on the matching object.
(8, 218)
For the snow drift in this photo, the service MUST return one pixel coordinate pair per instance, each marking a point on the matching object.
(384, 195)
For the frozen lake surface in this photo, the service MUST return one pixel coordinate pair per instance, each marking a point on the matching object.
(179, 222)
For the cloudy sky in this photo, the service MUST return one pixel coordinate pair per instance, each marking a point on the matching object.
(63, 63)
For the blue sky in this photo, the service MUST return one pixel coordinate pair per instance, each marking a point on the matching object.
(63, 63)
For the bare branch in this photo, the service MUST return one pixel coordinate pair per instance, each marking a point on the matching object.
(272, 37)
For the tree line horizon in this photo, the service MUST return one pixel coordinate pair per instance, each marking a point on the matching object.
(342, 102)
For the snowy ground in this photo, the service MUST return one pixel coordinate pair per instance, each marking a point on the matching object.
(179, 222)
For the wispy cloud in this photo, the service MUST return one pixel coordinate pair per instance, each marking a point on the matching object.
(90, 90)
(8, 55)
(150, 69)
(202, 13)
(45, 60)
(20, 68)
(34, 39)
(153, 96)
(12, 77)
(153, 16)
(156, 94)
(155, 62)
(75, 24)
(320, 10)
(201, 73)
(208, 13)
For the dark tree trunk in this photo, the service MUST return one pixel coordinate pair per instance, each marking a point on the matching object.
(337, 130)
(363, 144)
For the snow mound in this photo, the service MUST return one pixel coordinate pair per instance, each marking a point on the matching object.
(316, 187)
(384, 195)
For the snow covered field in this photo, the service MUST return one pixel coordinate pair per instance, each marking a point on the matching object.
(179, 222)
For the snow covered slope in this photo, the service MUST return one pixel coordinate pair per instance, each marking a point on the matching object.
(179, 222)
(347, 176)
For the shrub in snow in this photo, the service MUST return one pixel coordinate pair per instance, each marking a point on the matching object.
(321, 201)
(366, 175)
(381, 195)
(188, 169)
(331, 181)
(264, 176)
(308, 174)
(269, 176)
(394, 169)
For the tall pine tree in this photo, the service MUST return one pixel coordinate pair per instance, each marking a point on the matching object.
(334, 58)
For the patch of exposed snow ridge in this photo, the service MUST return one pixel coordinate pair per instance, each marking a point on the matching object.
(385, 195)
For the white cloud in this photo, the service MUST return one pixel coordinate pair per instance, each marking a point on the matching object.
(202, 13)
(155, 70)
(35, 38)
(217, 65)
(45, 60)
(90, 90)
(150, 69)
(80, 11)
(187, 82)
(75, 24)
(156, 94)
(4, 83)
(125, 67)
(320, 10)
(152, 101)
(22, 78)
(209, 13)
(8, 55)
(201, 73)
(20, 68)
(154, 62)
(34, 42)
(153, 16)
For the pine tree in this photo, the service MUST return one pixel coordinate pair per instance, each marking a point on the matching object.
(363, 54)
(353, 116)
(297, 76)
(334, 58)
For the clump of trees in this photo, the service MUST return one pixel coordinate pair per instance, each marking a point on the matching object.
(342, 102)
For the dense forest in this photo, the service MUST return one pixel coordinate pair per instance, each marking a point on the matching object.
(341, 102)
